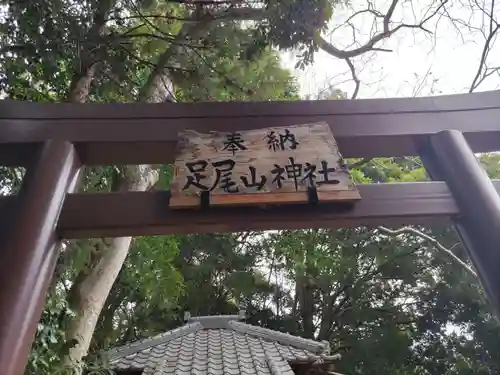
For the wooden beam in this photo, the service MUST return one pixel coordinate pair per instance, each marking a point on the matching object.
(35, 110)
(147, 213)
(135, 133)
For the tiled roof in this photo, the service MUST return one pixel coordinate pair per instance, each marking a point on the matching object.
(218, 345)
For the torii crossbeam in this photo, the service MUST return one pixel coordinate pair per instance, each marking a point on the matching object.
(55, 140)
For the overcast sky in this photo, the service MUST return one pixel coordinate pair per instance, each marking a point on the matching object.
(448, 59)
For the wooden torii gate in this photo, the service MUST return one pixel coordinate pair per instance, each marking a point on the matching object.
(53, 141)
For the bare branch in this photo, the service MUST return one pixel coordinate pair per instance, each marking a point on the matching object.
(345, 54)
(355, 78)
(482, 71)
(386, 32)
(433, 241)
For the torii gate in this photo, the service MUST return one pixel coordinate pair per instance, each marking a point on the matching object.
(55, 140)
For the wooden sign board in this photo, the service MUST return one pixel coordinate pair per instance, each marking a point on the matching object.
(267, 166)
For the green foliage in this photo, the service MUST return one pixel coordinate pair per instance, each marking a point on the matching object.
(235, 71)
(297, 24)
(297, 21)
(10, 180)
(45, 49)
(491, 164)
(39, 35)
(49, 341)
(148, 285)
(389, 305)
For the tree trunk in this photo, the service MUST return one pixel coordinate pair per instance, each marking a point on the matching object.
(105, 325)
(307, 308)
(326, 317)
(305, 304)
(86, 65)
(94, 289)
(330, 300)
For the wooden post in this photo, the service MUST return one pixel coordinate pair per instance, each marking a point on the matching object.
(448, 156)
(29, 250)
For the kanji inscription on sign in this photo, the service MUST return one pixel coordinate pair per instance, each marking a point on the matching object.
(265, 166)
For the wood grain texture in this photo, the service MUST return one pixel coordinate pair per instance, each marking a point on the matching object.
(99, 215)
(262, 166)
(108, 214)
(15, 109)
(139, 133)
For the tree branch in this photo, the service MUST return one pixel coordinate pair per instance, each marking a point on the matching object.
(355, 78)
(84, 74)
(386, 32)
(493, 29)
(191, 30)
(433, 241)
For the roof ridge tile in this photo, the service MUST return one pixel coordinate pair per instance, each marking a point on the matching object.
(140, 345)
(280, 337)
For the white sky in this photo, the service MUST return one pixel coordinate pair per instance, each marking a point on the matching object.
(449, 61)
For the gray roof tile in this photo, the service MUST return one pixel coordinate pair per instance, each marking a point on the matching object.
(218, 345)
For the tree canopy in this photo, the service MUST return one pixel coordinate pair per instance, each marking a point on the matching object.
(390, 300)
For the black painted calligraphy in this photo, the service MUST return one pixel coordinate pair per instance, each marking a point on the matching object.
(293, 171)
(309, 177)
(224, 176)
(305, 174)
(253, 181)
(279, 141)
(325, 173)
(197, 170)
(288, 138)
(273, 142)
(234, 142)
(279, 175)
